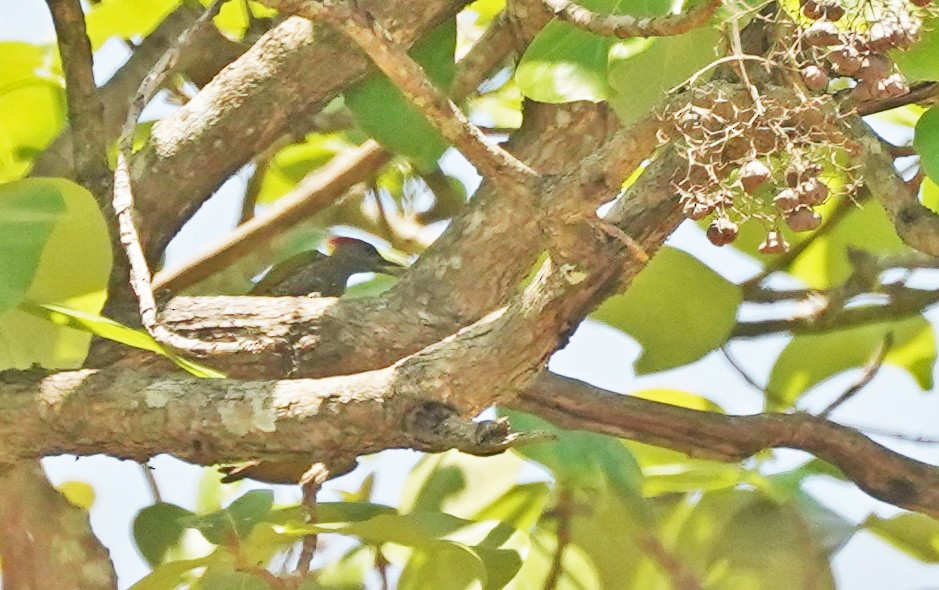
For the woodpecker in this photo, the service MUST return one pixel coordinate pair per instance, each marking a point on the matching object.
(315, 273)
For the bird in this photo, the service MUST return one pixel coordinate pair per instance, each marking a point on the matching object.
(317, 274)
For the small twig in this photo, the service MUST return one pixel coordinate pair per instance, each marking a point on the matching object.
(152, 484)
(904, 303)
(740, 370)
(563, 513)
(874, 431)
(310, 484)
(492, 161)
(625, 26)
(870, 371)
(381, 566)
(681, 577)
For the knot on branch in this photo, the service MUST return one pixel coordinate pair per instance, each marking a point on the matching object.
(436, 427)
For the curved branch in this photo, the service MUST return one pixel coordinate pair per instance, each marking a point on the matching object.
(880, 472)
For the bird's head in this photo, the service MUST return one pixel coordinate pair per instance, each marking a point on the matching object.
(361, 256)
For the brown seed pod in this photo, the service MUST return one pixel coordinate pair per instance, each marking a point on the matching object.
(774, 243)
(921, 3)
(874, 67)
(865, 90)
(906, 35)
(722, 231)
(786, 200)
(802, 218)
(812, 191)
(845, 59)
(821, 34)
(697, 210)
(815, 78)
(892, 86)
(879, 36)
(832, 11)
(812, 9)
(753, 174)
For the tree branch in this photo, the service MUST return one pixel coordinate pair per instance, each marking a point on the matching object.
(297, 67)
(920, 93)
(85, 109)
(211, 51)
(903, 303)
(880, 472)
(321, 187)
(625, 26)
(492, 161)
(915, 224)
(45, 541)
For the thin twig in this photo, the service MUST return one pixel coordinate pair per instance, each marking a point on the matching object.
(492, 161)
(563, 513)
(625, 26)
(669, 564)
(310, 484)
(381, 566)
(918, 94)
(740, 370)
(152, 484)
(870, 371)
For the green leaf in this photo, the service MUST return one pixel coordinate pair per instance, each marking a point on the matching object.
(74, 263)
(125, 18)
(294, 162)
(926, 142)
(384, 113)
(914, 534)
(929, 195)
(921, 62)
(457, 483)
(486, 551)
(228, 578)
(565, 64)
(159, 528)
(641, 75)
(577, 569)
(742, 539)
(810, 359)
(519, 507)
(32, 105)
(108, 328)
(677, 308)
(29, 212)
(580, 459)
(229, 525)
(170, 574)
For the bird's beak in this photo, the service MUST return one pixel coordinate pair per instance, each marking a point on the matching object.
(388, 267)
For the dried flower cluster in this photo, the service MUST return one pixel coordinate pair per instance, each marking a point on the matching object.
(777, 154)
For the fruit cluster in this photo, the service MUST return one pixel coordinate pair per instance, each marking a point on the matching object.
(858, 54)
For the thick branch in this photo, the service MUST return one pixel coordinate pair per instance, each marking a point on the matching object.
(325, 185)
(295, 66)
(46, 542)
(880, 472)
(492, 161)
(625, 26)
